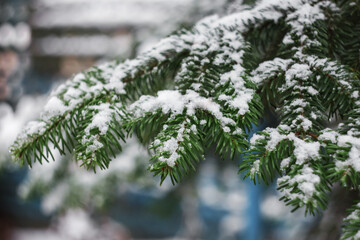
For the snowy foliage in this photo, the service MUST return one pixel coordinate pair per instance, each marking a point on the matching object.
(12, 122)
(63, 184)
(75, 224)
(208, 85)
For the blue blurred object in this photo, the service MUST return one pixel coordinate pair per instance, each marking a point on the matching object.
(254, 219)
(35, 83)
(211, 218)
(255, 223)
(12, 208)
(141, 214)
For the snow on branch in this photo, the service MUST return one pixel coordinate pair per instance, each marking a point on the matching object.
(210, 85)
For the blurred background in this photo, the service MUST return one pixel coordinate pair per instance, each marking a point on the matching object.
(43, 43)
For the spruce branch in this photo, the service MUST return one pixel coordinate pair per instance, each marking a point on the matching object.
(209, 86)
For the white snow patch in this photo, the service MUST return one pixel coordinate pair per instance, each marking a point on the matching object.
(306, 181)
(174, 102)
